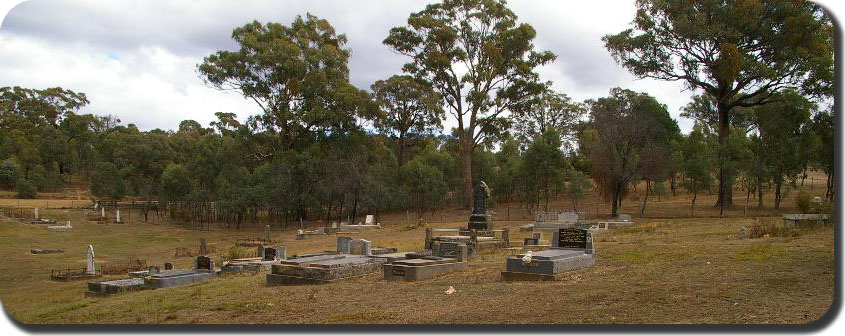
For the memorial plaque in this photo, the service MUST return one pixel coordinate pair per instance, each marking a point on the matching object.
(447, 250)
(572, 238)
(398, 272)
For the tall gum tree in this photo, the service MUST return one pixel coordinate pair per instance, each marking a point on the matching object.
(739, 52)
(298, 76)
(480, 60)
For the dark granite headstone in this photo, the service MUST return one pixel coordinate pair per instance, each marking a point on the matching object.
(572, 238)
(482, 192)
(168, 266)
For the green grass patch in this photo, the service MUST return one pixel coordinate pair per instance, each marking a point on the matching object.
(367, 316)
(758, 252)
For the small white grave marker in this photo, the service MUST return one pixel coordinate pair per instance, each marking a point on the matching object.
(90, 267)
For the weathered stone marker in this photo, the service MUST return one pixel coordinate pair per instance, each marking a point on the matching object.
(103, 212)
(90, 266)
(168, 266)
(36, 213)
(117, 216)
(344, 244)
(480, 219)
(204, 263)
(267, 233)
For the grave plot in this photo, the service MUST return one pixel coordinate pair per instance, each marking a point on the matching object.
(474, 240)
(111, 287)
(133, 265)
(571, 249)
(267, 256)
(202, 272)
(60, 228)
(369, 223)
(46, 251)
(327, 269)
(446, 257)
(90, 270)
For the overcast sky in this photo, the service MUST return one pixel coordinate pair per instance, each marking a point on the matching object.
(137, 59)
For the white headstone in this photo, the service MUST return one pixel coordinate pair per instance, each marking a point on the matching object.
(68, 224)
(369, 220)
(103, 212)
(36, 213)
(117, 216)
(90, 267)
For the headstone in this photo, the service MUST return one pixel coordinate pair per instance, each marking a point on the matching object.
(90, 266)
(482, 192)
(369, 220)
(281, 252)
(334, 225)
(168, 266)
(154, 270)
(117, 216)
(203, 248)
(360, 247)
(573, 238)
(343, 244)
(270, 254)
(103, 212)
(36, 213)
(267, 233)
(625, 217)
(261, 251)
(743, 232)
(204, 263)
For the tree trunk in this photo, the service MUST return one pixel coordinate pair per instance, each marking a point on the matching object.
(759, 194)
(645, 199)
(614, 207)
(725, 199)
(466, 158)
(778, 196)
(400, 155)
(692, 207)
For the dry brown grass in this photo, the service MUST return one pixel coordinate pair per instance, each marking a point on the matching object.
(670, 269)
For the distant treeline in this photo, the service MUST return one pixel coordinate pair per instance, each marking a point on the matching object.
(325, 149)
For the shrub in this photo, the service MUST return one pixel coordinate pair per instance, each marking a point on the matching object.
(772, 228)
(9, 173)
(804, 201)
(27, 189)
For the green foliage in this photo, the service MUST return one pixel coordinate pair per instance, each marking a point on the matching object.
(542, 169)
(175, 183)
(9, 173)
(495, 61)
(297, 75)
(106, 182)
(804, 201)
(27, 189)
(423, 185)
(633, 135)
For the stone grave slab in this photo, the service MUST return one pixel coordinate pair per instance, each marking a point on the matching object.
(571, 249)
(324, 271)
(106, 288)
(178, 278)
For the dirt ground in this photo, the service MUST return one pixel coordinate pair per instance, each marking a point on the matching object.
(669, 268)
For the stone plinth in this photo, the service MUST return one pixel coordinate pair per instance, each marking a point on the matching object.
(323, 271)
(105, 288)
(546, 265)
(178, 278)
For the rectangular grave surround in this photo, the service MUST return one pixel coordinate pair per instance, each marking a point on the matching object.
(572, 249)
(324, 271)
(178, 278)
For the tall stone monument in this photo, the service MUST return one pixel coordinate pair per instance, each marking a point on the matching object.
(90, 267)
(480, 219)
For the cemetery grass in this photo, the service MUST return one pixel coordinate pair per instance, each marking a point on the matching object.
(667, 269)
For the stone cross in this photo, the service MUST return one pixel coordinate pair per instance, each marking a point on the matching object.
(90, 267)
(203, 249)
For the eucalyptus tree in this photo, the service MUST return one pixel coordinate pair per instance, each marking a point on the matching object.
(410, 106)
(739, 52)
(481, 61)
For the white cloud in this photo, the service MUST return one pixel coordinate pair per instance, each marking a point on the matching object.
(136, 59)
